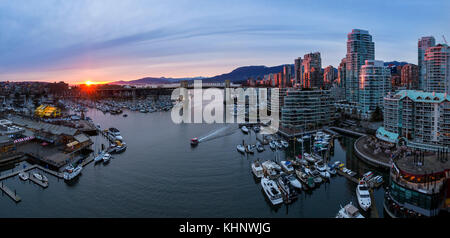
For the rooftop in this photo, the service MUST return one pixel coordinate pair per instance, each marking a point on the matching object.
(421, 96)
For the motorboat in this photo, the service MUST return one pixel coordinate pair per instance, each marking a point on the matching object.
(351, 173)
(305, 179)
(44, 178)
(284, 143)
(257, 169)
(322, 170)
(367, 176)
(71, 172)
(287, 166)
(285, 187)
(272, 145)
(299, 140)
(349, 211)
(271, 190)
(315, 174)
(278, 145)
(270, 167)
(114, 131)
(40, 177)
(256, 129)
(240, 148)
(294, 181)
(106, 157)
(377, 179)
(99, 157)
(306, 137)
(244, 129)
(194, 141)
(24, 176)
(259, 147)
(250, 149)
(309, 158)
(331, 170)
(363, 195)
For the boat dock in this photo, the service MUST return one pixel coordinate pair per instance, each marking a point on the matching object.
(373, 206)
(13, 195)
(10, 193)
(353, 179)
(38, 182)
(345, 131)
(87, 161)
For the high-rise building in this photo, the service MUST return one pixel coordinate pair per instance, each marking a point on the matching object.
(374, 85)
(360, 48)
(286, 76)
(306, 109)
(298, 70)
(312, 71)
(422, 46)
(410, 76)
(437, 63)
(329, 75)
(342, 73)
(420, 119)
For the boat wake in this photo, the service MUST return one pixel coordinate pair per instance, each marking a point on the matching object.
(221, 132)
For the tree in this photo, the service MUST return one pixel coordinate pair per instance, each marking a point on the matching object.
(377, 115)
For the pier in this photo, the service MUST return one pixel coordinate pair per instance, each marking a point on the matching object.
(373, 206)
(348, 132)
(38, 182)
(11, 194)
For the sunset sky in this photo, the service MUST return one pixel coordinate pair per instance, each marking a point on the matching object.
(103, 41)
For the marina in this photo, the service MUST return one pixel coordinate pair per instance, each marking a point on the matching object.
(212, 139)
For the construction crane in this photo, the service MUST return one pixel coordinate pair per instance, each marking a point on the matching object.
(443, 37)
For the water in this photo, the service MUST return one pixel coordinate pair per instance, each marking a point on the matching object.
(161, 175)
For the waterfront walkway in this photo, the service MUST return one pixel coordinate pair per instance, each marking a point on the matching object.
(346, 131)
(365, 153)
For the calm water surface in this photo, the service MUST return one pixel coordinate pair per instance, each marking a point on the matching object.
(161, 175)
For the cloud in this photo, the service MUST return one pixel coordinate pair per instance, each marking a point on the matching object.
(50, 37)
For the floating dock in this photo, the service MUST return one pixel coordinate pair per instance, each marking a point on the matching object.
(38, 182)
(373, 206)
(10, 193)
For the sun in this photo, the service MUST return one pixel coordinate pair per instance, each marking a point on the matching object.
(88, 83)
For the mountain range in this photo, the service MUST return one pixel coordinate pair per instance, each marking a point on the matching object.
(238, 75)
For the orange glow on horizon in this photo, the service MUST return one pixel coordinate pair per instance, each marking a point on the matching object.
(89, 82)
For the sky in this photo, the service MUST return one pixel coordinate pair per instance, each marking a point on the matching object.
(109, 40)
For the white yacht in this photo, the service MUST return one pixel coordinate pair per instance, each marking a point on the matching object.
(240, 148)
(257, 169)
(363, 195)
(106, 157)
(71, 172)
(349, 211)
(287, 166)
(294, 182)
(308, 157)
(322, 170)
(272, 145)
(39, 177)
(272, 191)
(250, 149)
(270, 167)
(24, 176)
(99, 157)
(244, 129)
